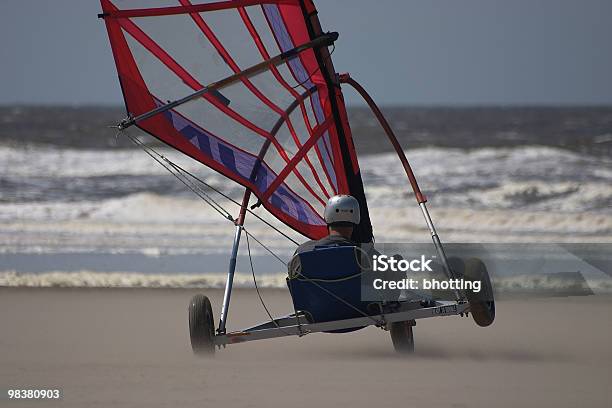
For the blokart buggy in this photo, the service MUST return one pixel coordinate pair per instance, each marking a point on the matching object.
(248, 89)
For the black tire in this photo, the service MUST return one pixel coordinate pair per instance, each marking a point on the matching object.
(201, 326)
(402, 336)
(482, 304)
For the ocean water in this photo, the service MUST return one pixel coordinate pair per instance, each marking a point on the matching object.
(80, 207)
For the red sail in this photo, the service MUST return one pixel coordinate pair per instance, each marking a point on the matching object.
(282, 133)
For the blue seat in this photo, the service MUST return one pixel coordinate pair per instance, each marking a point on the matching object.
(329, 273)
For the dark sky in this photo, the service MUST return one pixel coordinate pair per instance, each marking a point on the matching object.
(431, 52)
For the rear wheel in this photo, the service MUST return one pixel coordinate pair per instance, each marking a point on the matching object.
(402, 336)
(482, 304)
(201, 326)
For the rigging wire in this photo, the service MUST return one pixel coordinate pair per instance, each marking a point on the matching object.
(179, 173)
(263, 304)
(179, 168)
(350, 305)
(312, 281)
(209, 200)
(198, 191)
(265, 247)
(152, 152)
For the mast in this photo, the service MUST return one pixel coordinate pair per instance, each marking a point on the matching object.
(363, 232)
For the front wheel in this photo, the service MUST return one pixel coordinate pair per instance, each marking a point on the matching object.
(402, 336)
(482, 303)
(201, 326)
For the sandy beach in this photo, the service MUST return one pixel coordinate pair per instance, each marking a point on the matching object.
(130, 347)
(148, 148)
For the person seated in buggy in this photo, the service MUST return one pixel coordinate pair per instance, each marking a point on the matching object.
(325, 275)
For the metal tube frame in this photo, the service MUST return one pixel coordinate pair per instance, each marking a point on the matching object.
(227, 294)
(439, 247)
(287, 326)
(229, 282)
(456, 308)
(420, 197)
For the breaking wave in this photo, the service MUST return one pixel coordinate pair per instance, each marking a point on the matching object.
(56, 200)
(89, 279)
(525, 177)
(522, 284)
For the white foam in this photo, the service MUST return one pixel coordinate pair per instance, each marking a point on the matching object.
(527, 177)
(149, 223)
(520, 194)
(88, 279)
(30, 161)
(556, 283)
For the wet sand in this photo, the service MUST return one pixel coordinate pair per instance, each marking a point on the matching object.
(130, 347)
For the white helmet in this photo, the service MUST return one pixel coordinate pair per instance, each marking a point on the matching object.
(342, 208)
